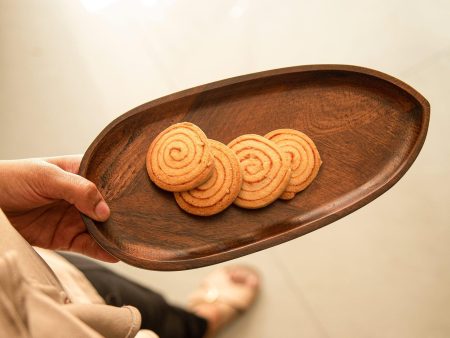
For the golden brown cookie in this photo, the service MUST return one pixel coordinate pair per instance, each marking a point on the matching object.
(180, 158)
(220, 190)
(305, 158)
(265, 167)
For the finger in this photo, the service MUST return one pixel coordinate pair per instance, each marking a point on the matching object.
(70, 163)
(85, 245)
(76, 190)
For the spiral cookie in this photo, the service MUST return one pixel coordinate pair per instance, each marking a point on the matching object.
(220, 190)
(305, 159)
(179, 158)
(266, 170)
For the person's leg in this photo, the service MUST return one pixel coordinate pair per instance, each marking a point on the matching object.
(166, 320)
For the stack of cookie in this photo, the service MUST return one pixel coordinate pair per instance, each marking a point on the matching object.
(207, 176)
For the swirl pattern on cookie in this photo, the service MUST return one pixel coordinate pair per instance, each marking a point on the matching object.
(305, 158)
(266, 170)
(180, 158)
(220, 190)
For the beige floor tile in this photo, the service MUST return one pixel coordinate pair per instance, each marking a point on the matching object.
(67, 68)
(384, 270)
(65, 75)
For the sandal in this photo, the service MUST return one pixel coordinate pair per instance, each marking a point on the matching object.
(224, 294)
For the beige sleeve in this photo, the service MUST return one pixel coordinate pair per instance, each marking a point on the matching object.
(37, 270)
(34, 303)
(75, 284)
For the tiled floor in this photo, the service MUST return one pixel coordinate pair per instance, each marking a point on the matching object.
(67, 68)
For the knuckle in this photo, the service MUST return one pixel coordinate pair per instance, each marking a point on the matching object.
(89, 190)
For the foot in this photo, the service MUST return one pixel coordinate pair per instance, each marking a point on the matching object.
(224, 294)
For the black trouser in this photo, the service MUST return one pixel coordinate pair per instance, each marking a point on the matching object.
(166, 320)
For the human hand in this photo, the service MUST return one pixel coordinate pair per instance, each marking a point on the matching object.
(42, 199)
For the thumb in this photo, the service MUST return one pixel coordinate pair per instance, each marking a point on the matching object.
(80, 192)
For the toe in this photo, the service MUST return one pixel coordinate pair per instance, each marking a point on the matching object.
(244, 275)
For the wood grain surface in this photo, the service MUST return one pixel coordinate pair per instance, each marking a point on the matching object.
(368, 127)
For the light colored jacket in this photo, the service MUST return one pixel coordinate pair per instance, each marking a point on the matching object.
(37, 302)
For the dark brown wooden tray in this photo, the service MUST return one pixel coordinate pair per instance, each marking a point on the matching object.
(368, 126)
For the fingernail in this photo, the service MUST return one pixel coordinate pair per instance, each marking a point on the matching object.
(102, 211)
